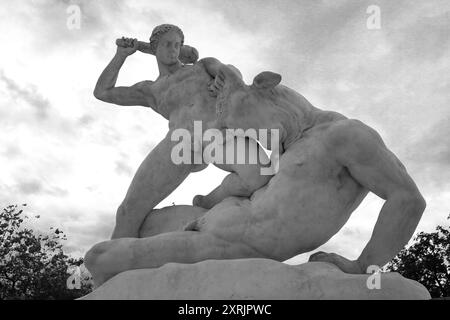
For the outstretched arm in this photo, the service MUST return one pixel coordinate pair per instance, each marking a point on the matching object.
(106, 90)
(369, 161)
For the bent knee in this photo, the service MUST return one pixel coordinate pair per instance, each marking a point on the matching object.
(92, 257)
(130, 207)
(122, 210)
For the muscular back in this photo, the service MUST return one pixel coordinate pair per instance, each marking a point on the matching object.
(310, 198)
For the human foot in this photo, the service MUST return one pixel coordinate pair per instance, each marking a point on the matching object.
(202, 201)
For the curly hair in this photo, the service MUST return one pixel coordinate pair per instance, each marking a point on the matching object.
(159, 31)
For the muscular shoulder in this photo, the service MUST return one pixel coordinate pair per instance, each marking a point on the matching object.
(144, 86)
(361, 150)
(352, 138)
(143, 91)
(351, 130)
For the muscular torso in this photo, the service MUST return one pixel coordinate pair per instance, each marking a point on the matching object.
(183, 97)
(303, 205)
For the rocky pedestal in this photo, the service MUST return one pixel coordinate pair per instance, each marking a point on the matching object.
(255, 279)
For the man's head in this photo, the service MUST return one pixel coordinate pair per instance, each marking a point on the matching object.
(165, 43)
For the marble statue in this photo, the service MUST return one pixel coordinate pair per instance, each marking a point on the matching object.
(328, 163)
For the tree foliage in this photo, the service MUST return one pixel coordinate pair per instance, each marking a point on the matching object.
(34, 265)
(427, 261)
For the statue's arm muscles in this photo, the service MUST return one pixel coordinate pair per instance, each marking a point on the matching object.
(361, 150)
(138, 94)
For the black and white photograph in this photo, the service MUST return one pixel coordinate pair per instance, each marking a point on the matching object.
(243, 151)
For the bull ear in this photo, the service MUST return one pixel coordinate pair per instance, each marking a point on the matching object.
(266, 80)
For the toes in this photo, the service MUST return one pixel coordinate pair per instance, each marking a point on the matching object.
(200, 201)
(315, 255)
(197, 201)
(320, 256)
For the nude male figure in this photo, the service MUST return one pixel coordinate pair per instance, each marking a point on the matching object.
(181, 94)
(328, 165)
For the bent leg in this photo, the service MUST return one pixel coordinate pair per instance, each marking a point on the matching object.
(245, 178)
(232, 185)
(154, 180)
(167, 219)
(109, 258)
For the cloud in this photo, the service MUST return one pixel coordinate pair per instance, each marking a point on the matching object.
(110, 135)
(428, 156)
(434, 143)
(30, 187)
(11, 151)
(424, 38)
(48, 18)
(36, 187)
(29, 94)
(83, 229)
(82, 235)
(86, 120)
(123, 168)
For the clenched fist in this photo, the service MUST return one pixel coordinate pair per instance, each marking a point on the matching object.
(126, 46)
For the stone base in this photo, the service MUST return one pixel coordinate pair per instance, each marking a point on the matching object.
(253, 279)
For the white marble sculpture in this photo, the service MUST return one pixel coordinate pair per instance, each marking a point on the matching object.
(327, 165)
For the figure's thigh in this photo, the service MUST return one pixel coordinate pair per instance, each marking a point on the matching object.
(168, 219)
(238, 220)
(157, 176)
(109, 258)
(228, 220)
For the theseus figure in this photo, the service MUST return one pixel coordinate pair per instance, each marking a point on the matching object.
(182, 94)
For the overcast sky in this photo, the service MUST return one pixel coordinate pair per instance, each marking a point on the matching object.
(71, 158)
